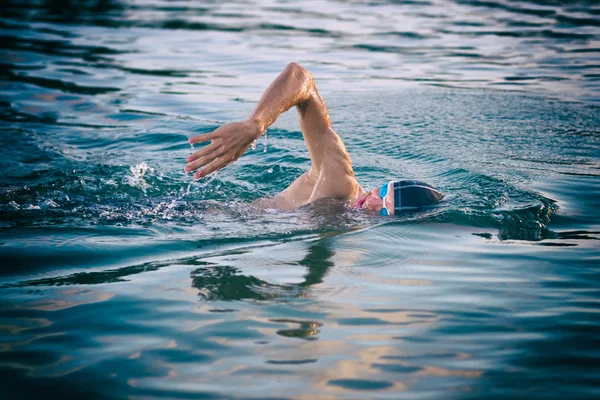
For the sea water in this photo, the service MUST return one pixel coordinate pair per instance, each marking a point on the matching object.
(122, 277)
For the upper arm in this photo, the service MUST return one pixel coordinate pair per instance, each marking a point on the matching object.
(322, 142)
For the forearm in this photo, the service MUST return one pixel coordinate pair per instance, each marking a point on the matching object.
(292, 87)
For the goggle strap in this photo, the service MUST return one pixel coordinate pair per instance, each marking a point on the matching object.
(397, 197)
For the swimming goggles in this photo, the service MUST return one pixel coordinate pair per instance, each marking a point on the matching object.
(382, 193)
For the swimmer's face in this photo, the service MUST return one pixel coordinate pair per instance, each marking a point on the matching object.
(380, 199)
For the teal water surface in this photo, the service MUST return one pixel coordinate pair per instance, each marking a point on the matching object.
(121, 277)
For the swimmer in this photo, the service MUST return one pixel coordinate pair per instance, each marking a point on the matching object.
(330, 174)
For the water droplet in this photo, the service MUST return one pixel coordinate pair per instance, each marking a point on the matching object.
(265, 144)
(253, 145)
(270, 170)
(192, 146)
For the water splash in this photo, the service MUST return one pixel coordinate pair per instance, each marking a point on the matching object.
(209, 178)
(51, 203)
(136, 179)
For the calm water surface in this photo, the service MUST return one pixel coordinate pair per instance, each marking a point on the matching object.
(122, 278)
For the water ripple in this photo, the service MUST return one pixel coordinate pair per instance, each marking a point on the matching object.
(123, 278)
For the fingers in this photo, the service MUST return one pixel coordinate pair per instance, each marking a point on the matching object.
(227, 142)
(203, 160)
(205, 137)
(199, 163)
(202, 152)
(216, 165)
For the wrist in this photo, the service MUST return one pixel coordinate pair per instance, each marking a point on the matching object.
(258, 126)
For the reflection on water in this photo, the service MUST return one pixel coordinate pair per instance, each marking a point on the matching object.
(366, 326)
(216, 281)
(122, 278)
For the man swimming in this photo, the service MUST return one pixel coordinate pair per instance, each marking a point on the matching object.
(330, 174)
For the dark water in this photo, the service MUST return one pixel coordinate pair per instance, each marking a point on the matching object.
(122, 278)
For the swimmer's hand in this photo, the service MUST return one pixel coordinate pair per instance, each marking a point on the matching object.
(229, 142)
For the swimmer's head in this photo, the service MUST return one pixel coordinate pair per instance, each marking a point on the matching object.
(397, 196)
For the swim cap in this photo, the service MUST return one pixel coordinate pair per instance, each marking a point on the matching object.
(411, 195)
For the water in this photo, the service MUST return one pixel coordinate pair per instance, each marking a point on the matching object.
(122, 277)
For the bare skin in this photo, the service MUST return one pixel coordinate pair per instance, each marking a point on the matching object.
(330, 174)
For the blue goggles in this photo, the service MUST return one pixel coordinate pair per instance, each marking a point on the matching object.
(382, 193)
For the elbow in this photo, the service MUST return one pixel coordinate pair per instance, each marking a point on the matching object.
(303, 79)
(294, 66)
(298, 70)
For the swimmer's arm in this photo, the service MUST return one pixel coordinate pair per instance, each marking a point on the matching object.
(331, 173)
(293, 87)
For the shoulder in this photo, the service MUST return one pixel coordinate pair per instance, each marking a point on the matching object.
(337, 183)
